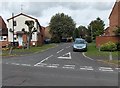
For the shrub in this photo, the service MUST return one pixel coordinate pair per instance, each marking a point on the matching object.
(110, 46)
(55, 40)
(118, 46)
(88, 39)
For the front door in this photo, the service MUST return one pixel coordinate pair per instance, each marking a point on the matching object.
(20, 40)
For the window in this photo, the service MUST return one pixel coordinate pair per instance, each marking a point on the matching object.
(15, 38)
(4, 37)
(14, 23)
(1, 38)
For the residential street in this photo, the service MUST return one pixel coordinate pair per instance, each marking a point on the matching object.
(59, 66)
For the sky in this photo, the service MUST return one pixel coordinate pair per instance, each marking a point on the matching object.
(81, 11)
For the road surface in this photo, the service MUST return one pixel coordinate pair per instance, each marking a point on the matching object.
(59, 66)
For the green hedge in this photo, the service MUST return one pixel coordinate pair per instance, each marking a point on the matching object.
(110, 46)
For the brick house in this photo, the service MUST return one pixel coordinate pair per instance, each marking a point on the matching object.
(19, 36)
(47, 33)
(114, 18)
(3, 33)
(114, 21)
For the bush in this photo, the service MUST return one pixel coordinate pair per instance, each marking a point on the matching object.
(88, 39)
(118, 46)
(55, 40)
(110, 46)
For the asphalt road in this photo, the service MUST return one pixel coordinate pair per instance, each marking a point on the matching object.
(58, 66)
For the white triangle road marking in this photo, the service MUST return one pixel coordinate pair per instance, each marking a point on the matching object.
(63, 56)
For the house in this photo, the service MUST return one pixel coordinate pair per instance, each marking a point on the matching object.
(47, 33)
(114, 22)
(114, 18)
(16, 25)
(3, 33)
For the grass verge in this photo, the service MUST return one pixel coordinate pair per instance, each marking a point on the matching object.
(28, 51)
(103, 55)
(93, 51)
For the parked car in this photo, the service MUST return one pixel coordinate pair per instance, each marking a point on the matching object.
(47, 41)
(79, 45)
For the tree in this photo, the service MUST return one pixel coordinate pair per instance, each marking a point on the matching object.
(82, 31)
(76, 34)
(117, 31)
(31, 30)
(61, 26)
(96, 27)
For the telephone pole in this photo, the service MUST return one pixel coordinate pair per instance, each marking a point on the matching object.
(13, 26)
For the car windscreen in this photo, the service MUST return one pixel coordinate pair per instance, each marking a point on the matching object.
(79, 42)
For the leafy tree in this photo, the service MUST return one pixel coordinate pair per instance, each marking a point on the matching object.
(82, 31)
(61, 26)
(117, 31)
(76, 34)
(96, 27)
(31, 30)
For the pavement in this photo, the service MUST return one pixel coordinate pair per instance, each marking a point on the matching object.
(59, 66)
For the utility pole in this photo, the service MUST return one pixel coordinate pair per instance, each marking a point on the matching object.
(21, 8)
(13, 34)
(13, 26)
(91, 32)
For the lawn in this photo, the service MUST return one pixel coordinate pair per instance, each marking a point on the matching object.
(28, 51)
(95, 53)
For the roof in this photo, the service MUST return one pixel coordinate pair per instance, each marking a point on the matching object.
(3, 26)
(114, 7)
(24, 15)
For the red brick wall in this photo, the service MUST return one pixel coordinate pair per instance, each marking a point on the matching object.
(3, 43)
(119, 13)
(114, 19)
(104, 39)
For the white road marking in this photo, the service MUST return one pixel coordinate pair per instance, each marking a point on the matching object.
(50, 66)
(60, 50)
(105, 69)
(6, 63)
(86, 56)
(55, 64)
(86, 68)
(69, 66)
(117, 68)
(68, 47)
(15, 63)
(41, 65)
(63, 56)
(43, 60)
(25, 64)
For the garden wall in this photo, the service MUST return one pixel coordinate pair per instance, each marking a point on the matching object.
(104, 39)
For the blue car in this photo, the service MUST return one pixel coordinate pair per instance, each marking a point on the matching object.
(80, 45)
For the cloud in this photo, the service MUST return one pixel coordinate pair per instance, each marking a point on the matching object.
(81, 12)
(102, 5)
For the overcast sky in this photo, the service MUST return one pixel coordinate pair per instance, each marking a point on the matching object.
(82, 12)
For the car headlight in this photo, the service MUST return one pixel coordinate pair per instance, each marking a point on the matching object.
(84, 47)
(75, 46)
